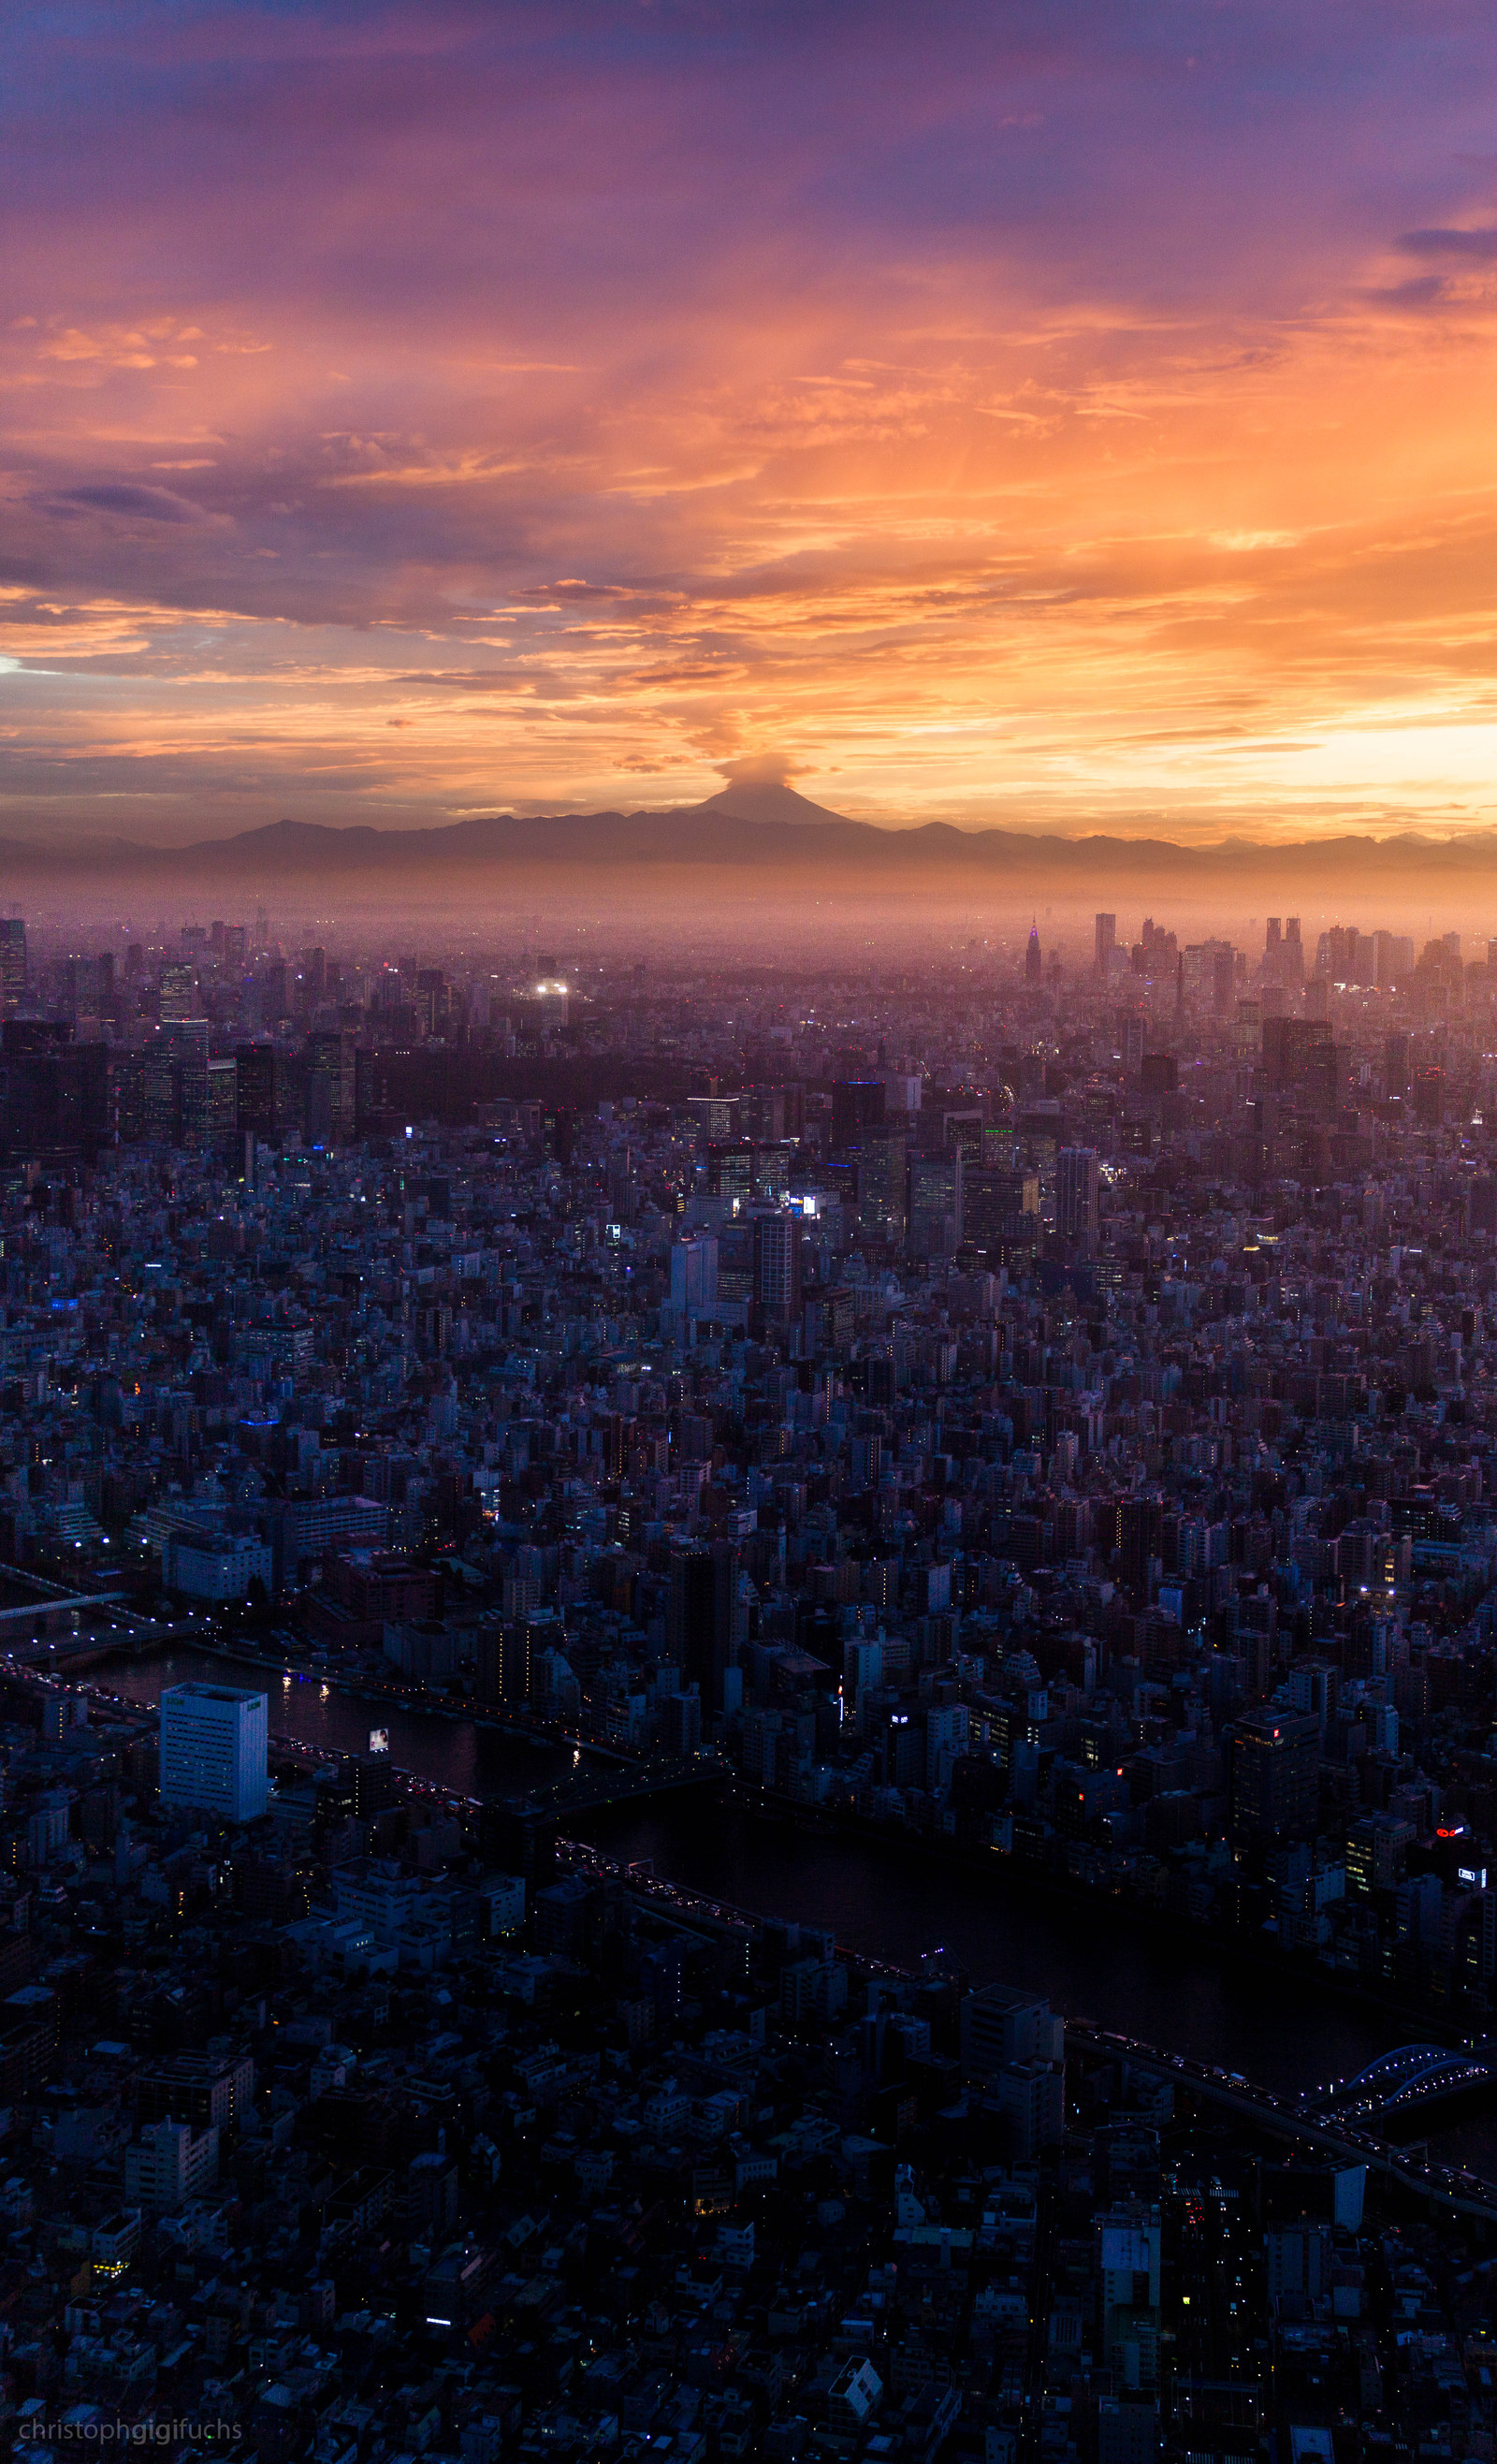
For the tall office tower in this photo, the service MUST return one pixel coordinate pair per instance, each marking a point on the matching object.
(13, 963)
(1000, 1203)
(1294, 952)
(1106, 942)
(223, 1106)
(433, 1002)
(183, 1082)
(777, 1267)
(258, 1089)
(1273, 1772)
(214, 1751)
(1076, 1195)
(1429, 1094)
(936, 1205)
(857, 1104)
(702, 1635)
(330, 1088)
(314, 977)
(694, 1275)
(178, 991)
(1034, 958)
(881, 1186)
(1396, 1064)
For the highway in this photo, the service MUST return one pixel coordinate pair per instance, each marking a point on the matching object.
(1460, 2193)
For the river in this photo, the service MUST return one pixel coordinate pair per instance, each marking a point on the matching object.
(463, 1755)
(885, 1899)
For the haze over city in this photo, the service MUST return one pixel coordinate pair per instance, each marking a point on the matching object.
(748, 1232)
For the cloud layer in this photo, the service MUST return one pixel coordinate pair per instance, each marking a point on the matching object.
(1073, 413)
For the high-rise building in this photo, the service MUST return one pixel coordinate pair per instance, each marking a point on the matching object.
(330, 1088)
(1034, 958)
(1000, 1204)
(178, 991)
(1273, 1769)
(13, 963)
(857, 1104)
(881, 1186)
(777, 1265)
(1429, 1094)
(694, 1275)
(936, 1205)
(701, 1617)
(214, 1751)
(1106, 942)
(223, 1104)
(180, 1083)
(258, 1089)
(1076, 1195)
(55, 1091)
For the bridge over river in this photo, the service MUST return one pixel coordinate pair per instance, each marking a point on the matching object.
(1403, 2082)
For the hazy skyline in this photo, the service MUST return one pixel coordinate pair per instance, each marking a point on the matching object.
(1063, 417)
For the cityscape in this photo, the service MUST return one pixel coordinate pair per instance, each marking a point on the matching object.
(721, 1705)
(748, 1232)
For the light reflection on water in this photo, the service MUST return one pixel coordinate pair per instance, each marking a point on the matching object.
(1288, 2033)
(470, 1760)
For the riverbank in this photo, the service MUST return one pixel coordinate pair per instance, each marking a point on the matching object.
(362, 1687)
(1153, 1982)
(1416, 2021)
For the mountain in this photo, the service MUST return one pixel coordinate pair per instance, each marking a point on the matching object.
(764, 834)
(766, 800)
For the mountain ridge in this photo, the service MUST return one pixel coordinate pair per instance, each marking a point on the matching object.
(756, 827)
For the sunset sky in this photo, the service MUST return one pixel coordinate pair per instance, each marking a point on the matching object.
(1066, 415)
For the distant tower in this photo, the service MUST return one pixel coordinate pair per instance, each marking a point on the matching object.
(13, 963)
(1076, 1195)
(1107, 943)
(1034, 959)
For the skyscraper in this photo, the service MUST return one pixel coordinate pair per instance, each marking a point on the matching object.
(1034, 958)
(1106, 942)
(936, 1205)
(258, 1089)
(1274, 1770)
(777, 1265)
(857, 1104)
(214, 1751)
(178, 991)
(694, 1275)
(701, 1617)
(1076, 1195)
(330, 1088)
(881, 1186)
(13, 963)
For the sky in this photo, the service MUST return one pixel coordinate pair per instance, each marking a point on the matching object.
(1047, 414)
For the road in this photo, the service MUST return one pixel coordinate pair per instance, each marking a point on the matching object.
(1460, 2193)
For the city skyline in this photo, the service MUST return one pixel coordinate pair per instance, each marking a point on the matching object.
(1064, 422)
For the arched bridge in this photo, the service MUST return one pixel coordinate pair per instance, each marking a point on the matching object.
(1410, 2074)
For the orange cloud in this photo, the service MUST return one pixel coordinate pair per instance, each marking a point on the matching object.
(1024, 420)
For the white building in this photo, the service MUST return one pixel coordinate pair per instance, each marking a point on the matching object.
(169, 2163)
(214, 1751)
(206, 1568)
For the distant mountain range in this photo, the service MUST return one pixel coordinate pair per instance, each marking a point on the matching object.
(762, 831)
